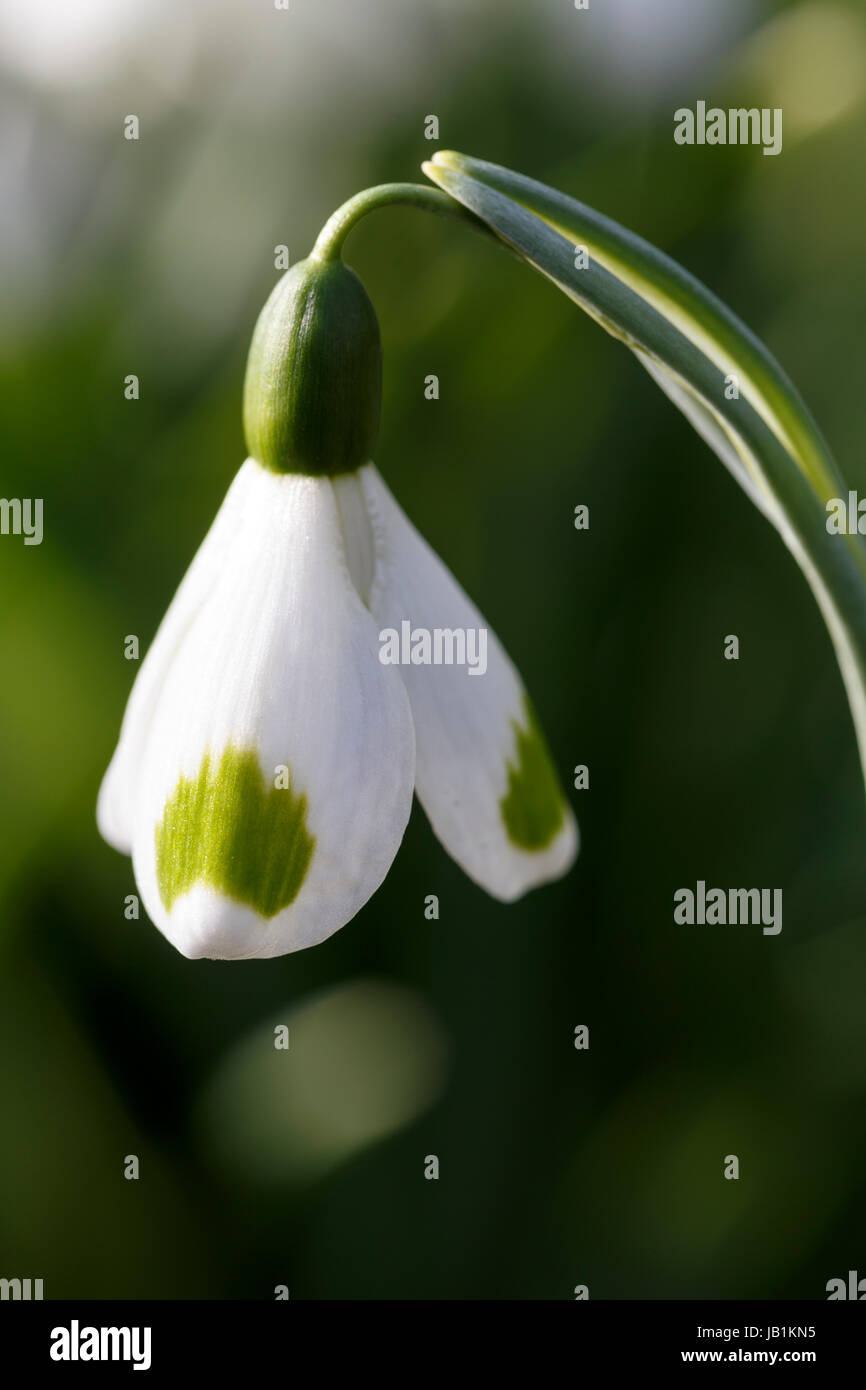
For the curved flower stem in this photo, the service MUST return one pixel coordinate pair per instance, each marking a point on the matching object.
(329, 243)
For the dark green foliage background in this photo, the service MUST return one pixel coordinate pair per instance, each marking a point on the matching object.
(557, 1167)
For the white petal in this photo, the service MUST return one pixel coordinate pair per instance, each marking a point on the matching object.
(117, 793)
(357, 532)
(468, 746)
(277, 670)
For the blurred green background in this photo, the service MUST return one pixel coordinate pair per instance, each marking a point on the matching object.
(452, 1037)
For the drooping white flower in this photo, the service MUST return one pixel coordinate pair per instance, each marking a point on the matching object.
(264, 774)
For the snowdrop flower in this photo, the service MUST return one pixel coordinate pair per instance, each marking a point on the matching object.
(266, 764)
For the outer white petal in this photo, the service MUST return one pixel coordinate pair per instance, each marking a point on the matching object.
(117, 793)
(465, 732)
(282, 659)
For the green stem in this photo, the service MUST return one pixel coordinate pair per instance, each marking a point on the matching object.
(329, 243)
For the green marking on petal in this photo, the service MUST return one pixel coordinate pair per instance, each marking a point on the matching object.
(533, 807)
(226, 827)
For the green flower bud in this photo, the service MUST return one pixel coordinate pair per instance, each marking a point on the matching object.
(313, 389)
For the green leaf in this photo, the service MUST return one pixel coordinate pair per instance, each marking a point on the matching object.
(692, 345)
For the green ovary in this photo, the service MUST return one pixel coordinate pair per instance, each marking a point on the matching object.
(226, 827)
(533, 808)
